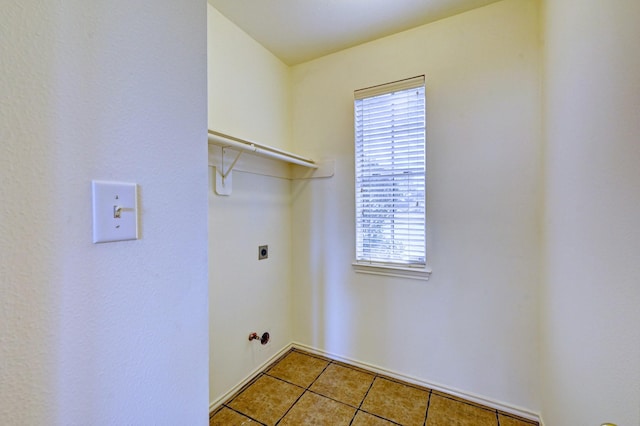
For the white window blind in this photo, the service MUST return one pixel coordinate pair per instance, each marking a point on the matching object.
(390, 174)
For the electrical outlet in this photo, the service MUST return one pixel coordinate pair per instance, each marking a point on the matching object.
(263, 252)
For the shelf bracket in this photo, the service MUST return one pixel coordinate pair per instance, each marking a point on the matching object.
(233, 163)
(224, 178)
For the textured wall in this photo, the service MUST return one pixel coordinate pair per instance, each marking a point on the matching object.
(591, 339)
(113, 333)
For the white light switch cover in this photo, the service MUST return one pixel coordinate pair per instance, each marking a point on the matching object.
(112, 199)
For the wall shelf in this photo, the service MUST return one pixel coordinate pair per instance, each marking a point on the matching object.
(226, 142)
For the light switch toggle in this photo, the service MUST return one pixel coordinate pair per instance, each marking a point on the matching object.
(117, 211)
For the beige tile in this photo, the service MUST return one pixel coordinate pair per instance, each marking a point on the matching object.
(449, 412)
(337, 391)
(298, 368)
(227, 417)
(314, 409)
(511, 420)
(397, 402)
(366, 419)
(343, 384)
(267, 399)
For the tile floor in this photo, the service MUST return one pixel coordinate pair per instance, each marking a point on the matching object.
(306, 389)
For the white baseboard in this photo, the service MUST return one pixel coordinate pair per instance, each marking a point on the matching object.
(215, 404)
(488, 402)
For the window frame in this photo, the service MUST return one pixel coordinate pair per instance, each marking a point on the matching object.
(419, 271)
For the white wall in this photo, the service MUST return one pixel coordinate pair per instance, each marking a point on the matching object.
(248, 98)
(113, 333)
(591, 344)
(474, 325)
(249, 87)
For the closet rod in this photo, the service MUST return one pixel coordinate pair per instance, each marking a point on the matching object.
(256, 148)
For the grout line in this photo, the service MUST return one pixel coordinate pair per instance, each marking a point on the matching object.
(363, 398)
(305, 389)
(330, 398)
(380, 417)
(285, 381)
(289, 409)
(360, 409)
(242, 389)
(367, 392)
(300, 351)
(463, 401)
(402, 382)
(226, 396)
(242, 414)
(518, 418)
(426, 413)
(316, 379)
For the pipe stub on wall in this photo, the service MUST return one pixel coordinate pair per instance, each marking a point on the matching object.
(264, 339)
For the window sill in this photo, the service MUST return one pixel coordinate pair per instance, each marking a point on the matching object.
(392, 271)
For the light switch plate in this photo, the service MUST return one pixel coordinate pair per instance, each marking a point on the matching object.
(115, 211)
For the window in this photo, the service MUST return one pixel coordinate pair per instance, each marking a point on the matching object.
(390, 179)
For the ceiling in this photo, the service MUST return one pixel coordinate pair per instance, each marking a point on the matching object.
(297, 31)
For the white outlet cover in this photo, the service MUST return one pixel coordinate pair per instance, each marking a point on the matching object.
(111, 199)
